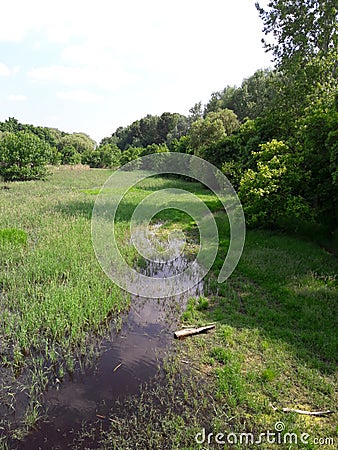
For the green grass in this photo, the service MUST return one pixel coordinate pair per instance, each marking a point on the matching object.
(55, 301)
(275, 346)
(13, 236)
(275, 340)
(54, 297)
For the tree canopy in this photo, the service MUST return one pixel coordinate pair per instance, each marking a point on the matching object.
(23, 156)
(274, 136)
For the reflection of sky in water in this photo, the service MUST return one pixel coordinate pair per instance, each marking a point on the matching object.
(134, 352)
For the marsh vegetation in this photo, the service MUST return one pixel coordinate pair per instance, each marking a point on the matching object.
(274, 344)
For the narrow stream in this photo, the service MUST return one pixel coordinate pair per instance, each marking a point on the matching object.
(131, 358)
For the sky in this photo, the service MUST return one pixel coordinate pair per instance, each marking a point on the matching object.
(91, 67)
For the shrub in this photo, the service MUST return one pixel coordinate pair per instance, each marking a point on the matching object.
(105, 156)
(132, 154)
(270, 194)
(69, 155)
(233, 171)
(23, 156)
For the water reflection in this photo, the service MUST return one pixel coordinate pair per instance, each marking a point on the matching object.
(129, 359)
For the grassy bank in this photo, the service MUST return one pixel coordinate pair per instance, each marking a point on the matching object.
(56, 304)
(54, 297)
(274, 345)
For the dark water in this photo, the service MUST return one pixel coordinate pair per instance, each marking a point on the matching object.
(131, 358)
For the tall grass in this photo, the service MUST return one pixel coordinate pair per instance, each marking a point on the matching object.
(275, 340)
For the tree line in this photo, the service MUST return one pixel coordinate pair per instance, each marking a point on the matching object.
(274, 137)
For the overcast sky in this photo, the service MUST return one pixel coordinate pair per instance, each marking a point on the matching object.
(93, 66)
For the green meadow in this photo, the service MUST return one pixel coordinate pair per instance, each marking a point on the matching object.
(274, 346)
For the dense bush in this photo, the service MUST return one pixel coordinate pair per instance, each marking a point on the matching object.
(317, 134)
(23, 156)
(69, 155)
(208, 132)
(104, 157)
(270, 194)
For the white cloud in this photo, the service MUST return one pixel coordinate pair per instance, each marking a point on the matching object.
(16, 70)
(106, 76)
(81, 96)
(17, 98)
(4, 70)
(125, 57)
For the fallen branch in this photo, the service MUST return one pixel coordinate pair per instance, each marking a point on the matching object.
(192, 331)
(302, 411)
(192, 326)
(117, 367)
(309, 413)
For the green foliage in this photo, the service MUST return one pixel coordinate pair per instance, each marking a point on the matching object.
(154, 148)
(50, 135)
(157, 164)
(250, 100)
(66, 148)
(69, 155)
(270, 193)
(304, 48)
(202, 304)
(181, 145)
(208, 132)
(238, 147)
(105, 156)
(317, 133)
(196, 112)
(150, 130)
(23, 156)
(233, 171)
(11, 125)
(132, 154)
(13, 236)
(302, 29)
(332, 145)
(81, 142)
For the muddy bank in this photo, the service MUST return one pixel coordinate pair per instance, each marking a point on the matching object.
(132, 357)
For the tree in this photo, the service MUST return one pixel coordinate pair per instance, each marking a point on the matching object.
(104, 157)
(23, 156)
(304, 109)
(215, 103)
(69, 155)
(302, 29)
(304, 48)
(150, 130)
(207, 132)
(317, 135)
(250, 100)
(80, 141)
(271, 193)
(182, 145)
(11, 125)
(166, 122)
(196, 112)
(131, 154)
(180, 129)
